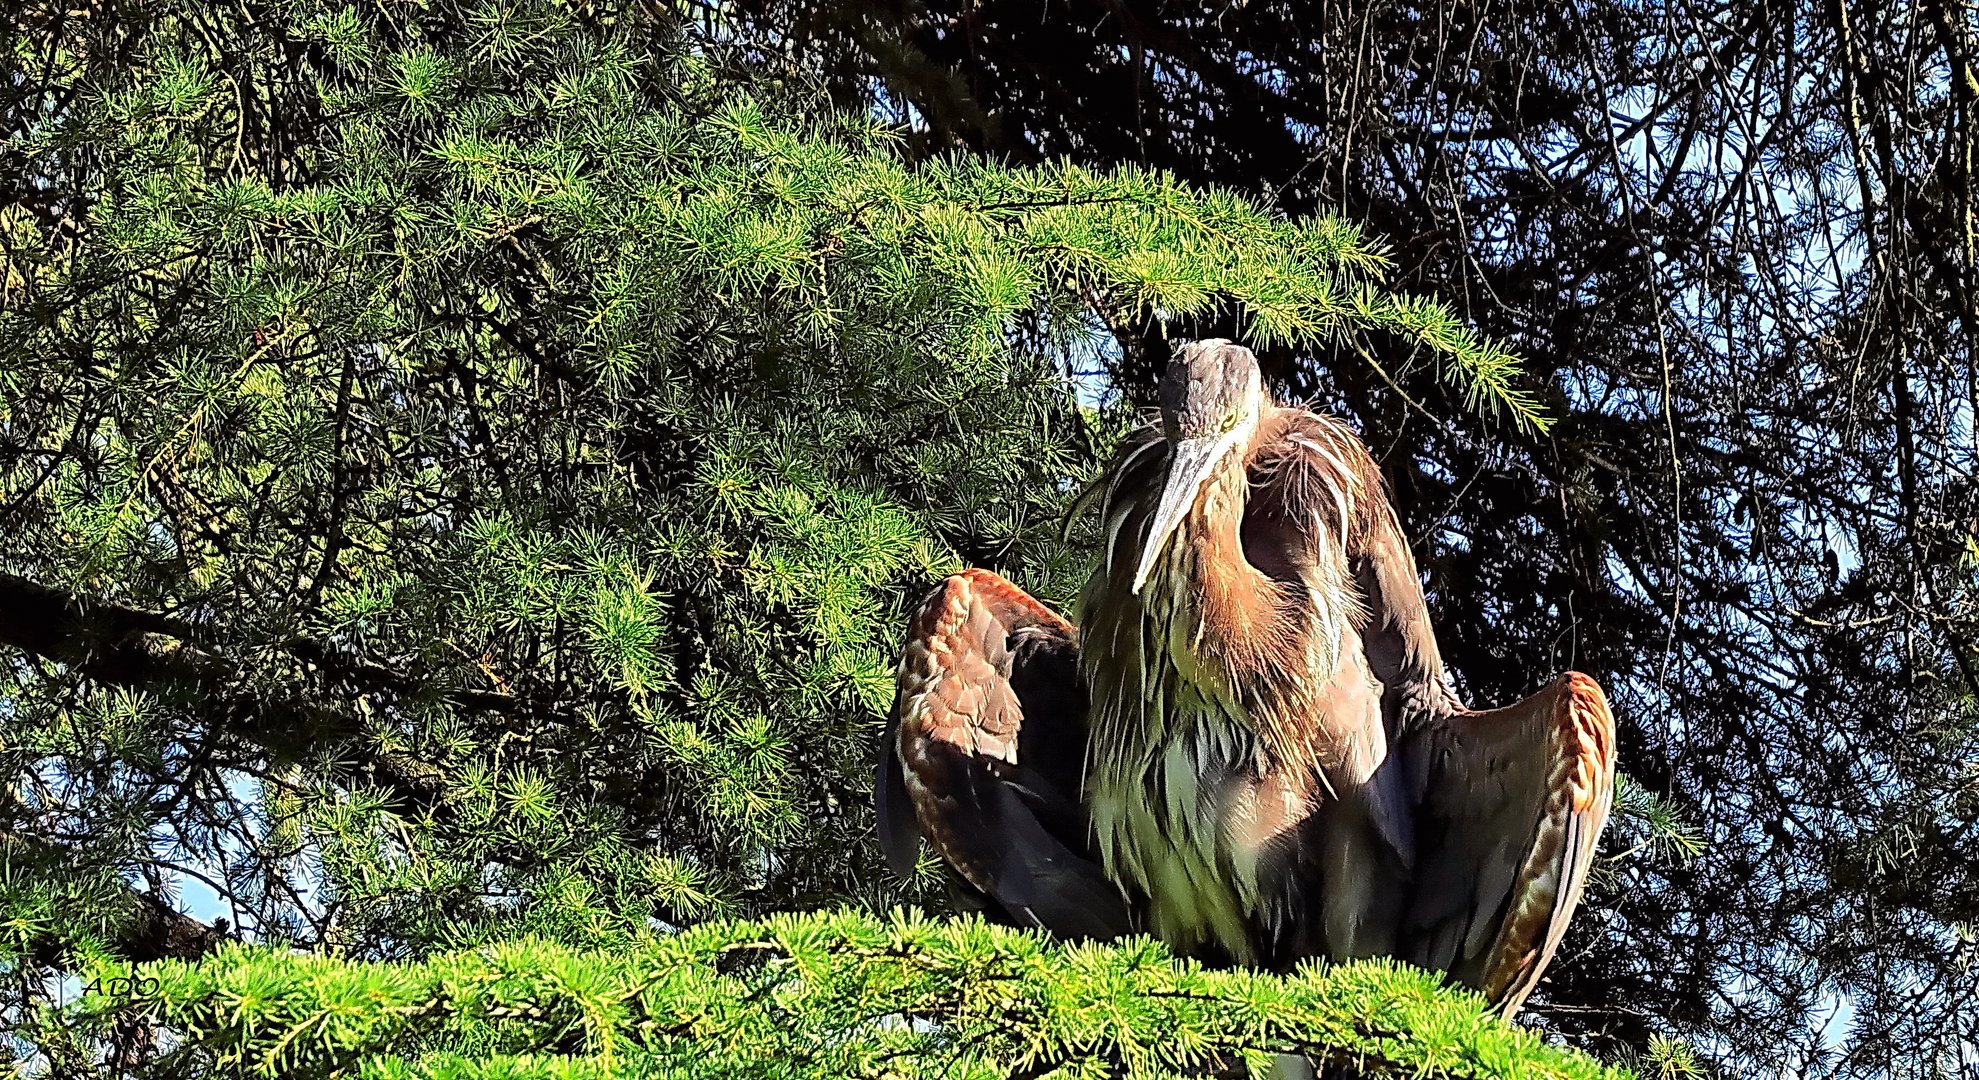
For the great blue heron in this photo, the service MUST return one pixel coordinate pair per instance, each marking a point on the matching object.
(1277, 766)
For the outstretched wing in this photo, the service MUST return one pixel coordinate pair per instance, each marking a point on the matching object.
(1511, 805)
(985, 756)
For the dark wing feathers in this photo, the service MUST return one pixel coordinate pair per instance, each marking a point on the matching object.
(1511, 805)
(985, 755)
(900, 834)
(1495, 814)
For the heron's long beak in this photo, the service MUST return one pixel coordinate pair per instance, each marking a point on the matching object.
(1192, 464)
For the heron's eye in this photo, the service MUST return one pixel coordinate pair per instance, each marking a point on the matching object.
(1230, 420)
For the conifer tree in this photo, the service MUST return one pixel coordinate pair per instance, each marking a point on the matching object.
(463, 468)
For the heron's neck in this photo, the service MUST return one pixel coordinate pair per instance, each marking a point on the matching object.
(1259, 640)
(1277, 642)
(1242, 623)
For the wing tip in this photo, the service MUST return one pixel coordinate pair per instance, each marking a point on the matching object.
(1587, 736)
(994, 587)
(1582, 780)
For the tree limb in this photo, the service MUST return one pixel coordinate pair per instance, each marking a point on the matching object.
(124, 646)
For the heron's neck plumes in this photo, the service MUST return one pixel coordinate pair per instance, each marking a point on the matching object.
(1241, 620)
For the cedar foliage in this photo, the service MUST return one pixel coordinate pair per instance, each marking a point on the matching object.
(817, 996)
(463, 467)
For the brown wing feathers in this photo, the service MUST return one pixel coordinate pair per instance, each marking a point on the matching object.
(1579, 788)
(1512, 802)
(985, 755)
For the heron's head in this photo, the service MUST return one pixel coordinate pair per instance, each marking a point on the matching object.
(1211, 398)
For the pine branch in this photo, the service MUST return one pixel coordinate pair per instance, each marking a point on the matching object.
(129, 647)
(822, 994)
(109, 643)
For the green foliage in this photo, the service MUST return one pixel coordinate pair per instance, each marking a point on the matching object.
(1658, 827)
(816, 995)
(497, 458)
(39, 908)
(1665, 1058)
